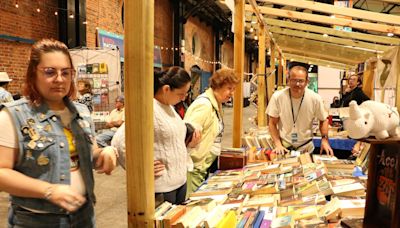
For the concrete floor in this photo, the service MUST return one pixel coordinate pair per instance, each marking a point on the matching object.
(111, 190)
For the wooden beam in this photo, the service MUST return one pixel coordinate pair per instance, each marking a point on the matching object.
(238, 62)
(139, 51)
(280, 71)
(261, 78)
(330, 31)
(328, 20)
(332, 9)
(305, 51)
(260, 20)
(330, 39)
(259, 16)
(317, 61)
(284, 72)
(323, 48)
(271, 79)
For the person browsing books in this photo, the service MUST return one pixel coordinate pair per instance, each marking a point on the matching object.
(291, 112)
(171, 158)
(47, 146)
(206, 111)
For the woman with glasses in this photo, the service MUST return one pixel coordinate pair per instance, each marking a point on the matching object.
(47, 148)
(206, 111)
(291, 114)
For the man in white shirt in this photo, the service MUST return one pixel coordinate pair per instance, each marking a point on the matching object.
(291, 113)
(113, 122)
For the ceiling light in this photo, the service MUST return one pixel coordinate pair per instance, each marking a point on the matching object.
(251, 29)
(71, 15)
(56, 13)
(325, 35)
(256, 37)
(38, 10)
(390, 34)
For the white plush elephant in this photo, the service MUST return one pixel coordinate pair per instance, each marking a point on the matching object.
(372, 118)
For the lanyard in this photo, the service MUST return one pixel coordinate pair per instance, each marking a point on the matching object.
(298, 111)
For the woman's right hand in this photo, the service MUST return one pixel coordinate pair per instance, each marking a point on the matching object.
(158, 168)
(65, 197)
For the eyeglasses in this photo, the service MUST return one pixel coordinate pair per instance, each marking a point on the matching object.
(50, 72)
(295, 81)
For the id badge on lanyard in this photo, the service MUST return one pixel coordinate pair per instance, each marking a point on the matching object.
(294, 135)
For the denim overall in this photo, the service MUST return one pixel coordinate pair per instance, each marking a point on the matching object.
(45, 155)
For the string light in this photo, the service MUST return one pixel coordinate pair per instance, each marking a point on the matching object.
(55, 10)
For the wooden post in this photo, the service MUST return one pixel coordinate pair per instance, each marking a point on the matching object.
(139, 51)
(271, 78)
(238, 62)
(261, 78)
(280, 70)
(284, 72)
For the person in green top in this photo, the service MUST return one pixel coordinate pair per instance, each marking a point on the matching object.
(206, 112)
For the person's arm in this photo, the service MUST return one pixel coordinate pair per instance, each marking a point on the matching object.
(116, 123)
(323, 127)
(105, 158)
(18, 184)
(272, 124)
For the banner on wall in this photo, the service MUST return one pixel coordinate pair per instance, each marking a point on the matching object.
(111, 40)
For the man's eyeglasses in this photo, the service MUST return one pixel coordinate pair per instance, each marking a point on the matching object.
(295, 81)
(51, 72)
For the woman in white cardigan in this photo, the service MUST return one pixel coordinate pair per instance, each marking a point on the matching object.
(170, 153)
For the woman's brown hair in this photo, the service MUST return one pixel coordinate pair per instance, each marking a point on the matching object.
(222, 77)
(38, 49)
(87, 87)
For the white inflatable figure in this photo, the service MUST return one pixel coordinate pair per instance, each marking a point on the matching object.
(372, 118)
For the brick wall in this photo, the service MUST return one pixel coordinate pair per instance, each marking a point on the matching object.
(105, 15)
(163, 30)
(24, 22)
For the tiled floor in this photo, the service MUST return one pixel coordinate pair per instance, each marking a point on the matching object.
(111, 190)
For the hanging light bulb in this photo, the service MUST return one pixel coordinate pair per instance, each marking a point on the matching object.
(16, 4)
(56, 13)
(71, 15)
(38, 10)
(256, 37)
(251, 29)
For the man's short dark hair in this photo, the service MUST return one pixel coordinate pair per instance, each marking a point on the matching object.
(304, 65)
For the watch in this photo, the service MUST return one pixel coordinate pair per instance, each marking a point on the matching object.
(324, 137)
